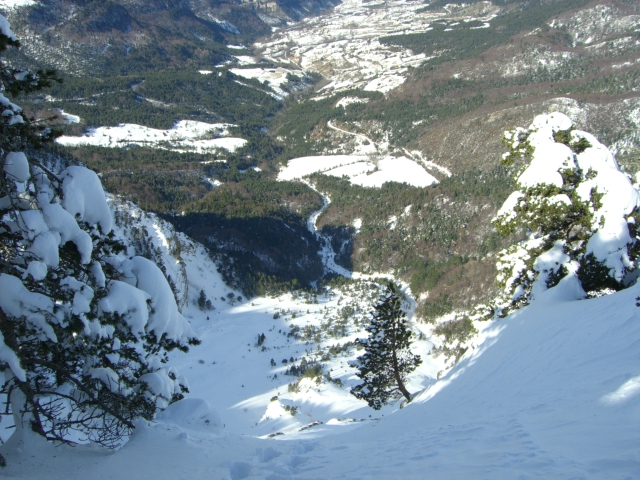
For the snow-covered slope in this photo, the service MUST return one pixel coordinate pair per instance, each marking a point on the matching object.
(231, 371)
(343, 45)
(360, 170)
(184, 136)
(551, 393)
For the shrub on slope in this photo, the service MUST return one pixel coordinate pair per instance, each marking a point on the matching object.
(579, 210)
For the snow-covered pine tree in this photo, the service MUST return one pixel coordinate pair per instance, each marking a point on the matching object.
(387, 360)
(579, 211)
(84, 330)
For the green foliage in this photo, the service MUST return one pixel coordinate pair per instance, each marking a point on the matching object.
(577, 146)
(306, 369)
(293, 410)
(397, 116)
(595, 275)
(134, 158)
(260, 147)
(387, 359)
(254, 196)
(518, 146)
(432, 227)
(159, 99)
(490, 243)
(435, 308)
(17, 130)
(296, 123)
(166, 181)
(428, 273)
(204, 303)
(455, 335)
(605, 84)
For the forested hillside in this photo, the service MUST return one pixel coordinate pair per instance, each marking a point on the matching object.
(441, 94)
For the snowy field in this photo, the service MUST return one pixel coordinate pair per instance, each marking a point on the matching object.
(184, 136)
(68, 117)
(343, 45)
(553, 391)
(275, 77)
(11, 4)
(360, 170)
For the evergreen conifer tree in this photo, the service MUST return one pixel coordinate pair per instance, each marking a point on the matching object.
(84, 330)
(202, 301)
(579, 211)
(387, 359)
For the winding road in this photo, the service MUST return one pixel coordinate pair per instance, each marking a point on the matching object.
(338, 129)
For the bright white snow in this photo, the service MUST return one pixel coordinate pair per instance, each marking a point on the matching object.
(275, 77)
(552, 392)
(13, 4)
(84, 197)
(17, 166)
(303, 166)
(344, 101)
(360, 170)
(69, 117)
(185, 135)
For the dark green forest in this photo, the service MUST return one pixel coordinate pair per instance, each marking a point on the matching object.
(467, 40)
(159, 99)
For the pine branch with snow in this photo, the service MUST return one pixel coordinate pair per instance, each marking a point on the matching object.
(579, 211)
(84, 330)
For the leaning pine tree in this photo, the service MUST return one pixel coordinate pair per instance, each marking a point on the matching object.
(84, 329)
(387, 359)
